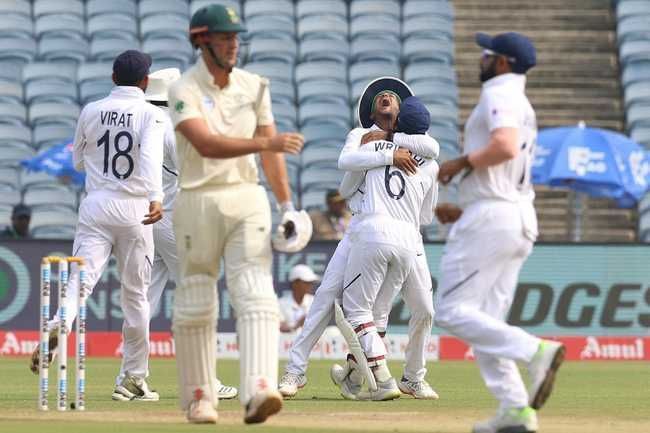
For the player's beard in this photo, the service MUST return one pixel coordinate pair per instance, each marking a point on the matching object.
(488, 73)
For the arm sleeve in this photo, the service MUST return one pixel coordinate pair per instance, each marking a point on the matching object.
(183, 104)
(79, 144)
(500, 112)
(264, 113)
(151, 155)
(352, 159)
(420, 144)
(431, 198)
(350, 183)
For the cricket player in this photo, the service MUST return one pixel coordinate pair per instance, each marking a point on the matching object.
(385, 243)
(493, 234)
(118, 143)
(222, 116)
(417, 290)
(165, 262)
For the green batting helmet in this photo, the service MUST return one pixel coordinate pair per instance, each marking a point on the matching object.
(215, 18)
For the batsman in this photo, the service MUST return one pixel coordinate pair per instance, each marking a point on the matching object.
(222, 118)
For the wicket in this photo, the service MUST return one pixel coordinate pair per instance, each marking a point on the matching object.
(62, 349)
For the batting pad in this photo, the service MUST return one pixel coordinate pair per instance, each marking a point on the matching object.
(258, 327)
(194, 326)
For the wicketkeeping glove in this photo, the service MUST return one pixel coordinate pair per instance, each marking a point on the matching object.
(294, 232)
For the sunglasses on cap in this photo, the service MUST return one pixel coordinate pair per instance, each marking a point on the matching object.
(489, 53)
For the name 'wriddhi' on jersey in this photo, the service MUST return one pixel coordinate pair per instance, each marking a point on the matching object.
(119, 143)
(391, 192)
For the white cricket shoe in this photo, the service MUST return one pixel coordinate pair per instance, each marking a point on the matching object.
(341, 377)
(134, 388)
(225, 392)
(290, 383)
(386, 390)
(509, 421)
(418, 389)
(542, 370)
(201, 411)
(263, 405)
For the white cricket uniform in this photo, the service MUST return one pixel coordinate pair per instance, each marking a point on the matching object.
(488, 245)
(291, 312)
(385, 241)
(417, 291)
(118, 143)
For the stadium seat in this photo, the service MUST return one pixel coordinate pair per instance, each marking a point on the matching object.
(53, 112)
(445, 135)
(283, 92)
(99, 7)
(16, 7)
(364, 72)
(285, 125)
(638, 93)
(435, 92)
(428, 27)
(636, 72)
(630, 9)
(163, 49)
(58, 7)
(165, 26)
(36, 179)
(314, 198)
(272, 27)
(9, 197)
(112, 26)
(13, 113)
(633, 29)
(68, 25)
(638, 115)
(284, 113)
(17, 49)
(418, 49)
(11, 92)
(46, 82)
(319, 112)
(443, 114)
(180, 8)
(48, 135)
(634, 51)
(331, 71)
(56, 218)
(5, 210)
(390, 8)
(41, 196)
(416, 8)
(306, 8)
(105, 50)
(317, 154)
(15, 134)
(324, 133)
(13, 154)
(314, 50)
(9, 177)
(370, 48)
(11, 72)
(195, 5)
(66, 232)
(271, 49)
(18, 26)
(323, 91)
(375, 26)
(274, 71)
(61, 49)
(94, 80)
(429, 71)
(326, 27)
(283, 9)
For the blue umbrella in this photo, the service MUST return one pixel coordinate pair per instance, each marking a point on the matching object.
(595, 161)
(57, 161)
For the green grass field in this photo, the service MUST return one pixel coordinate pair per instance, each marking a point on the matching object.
(590, 397)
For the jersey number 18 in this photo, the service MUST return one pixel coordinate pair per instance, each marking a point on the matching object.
(119, 153)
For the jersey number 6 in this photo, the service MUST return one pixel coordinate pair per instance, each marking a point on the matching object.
(400, 177)
(105, 140)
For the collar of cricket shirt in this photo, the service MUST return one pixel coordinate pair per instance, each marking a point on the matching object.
(206, 77)
(510, 79)
(128, 92)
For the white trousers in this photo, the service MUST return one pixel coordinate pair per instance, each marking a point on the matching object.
(416, 293)
(111, 222)
(479, 268)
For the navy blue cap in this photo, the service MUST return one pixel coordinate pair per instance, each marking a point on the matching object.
(131, 66)
(513, 45)
(414, 118)
(21, 210)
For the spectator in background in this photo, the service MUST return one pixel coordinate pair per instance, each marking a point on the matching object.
(19, 228)
(295, 304)
(331, 224)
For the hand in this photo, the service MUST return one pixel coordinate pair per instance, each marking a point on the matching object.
(287, 142)
(374, 136)
(155, 213)
(403, 160)
(448, 213)
(451, 168)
